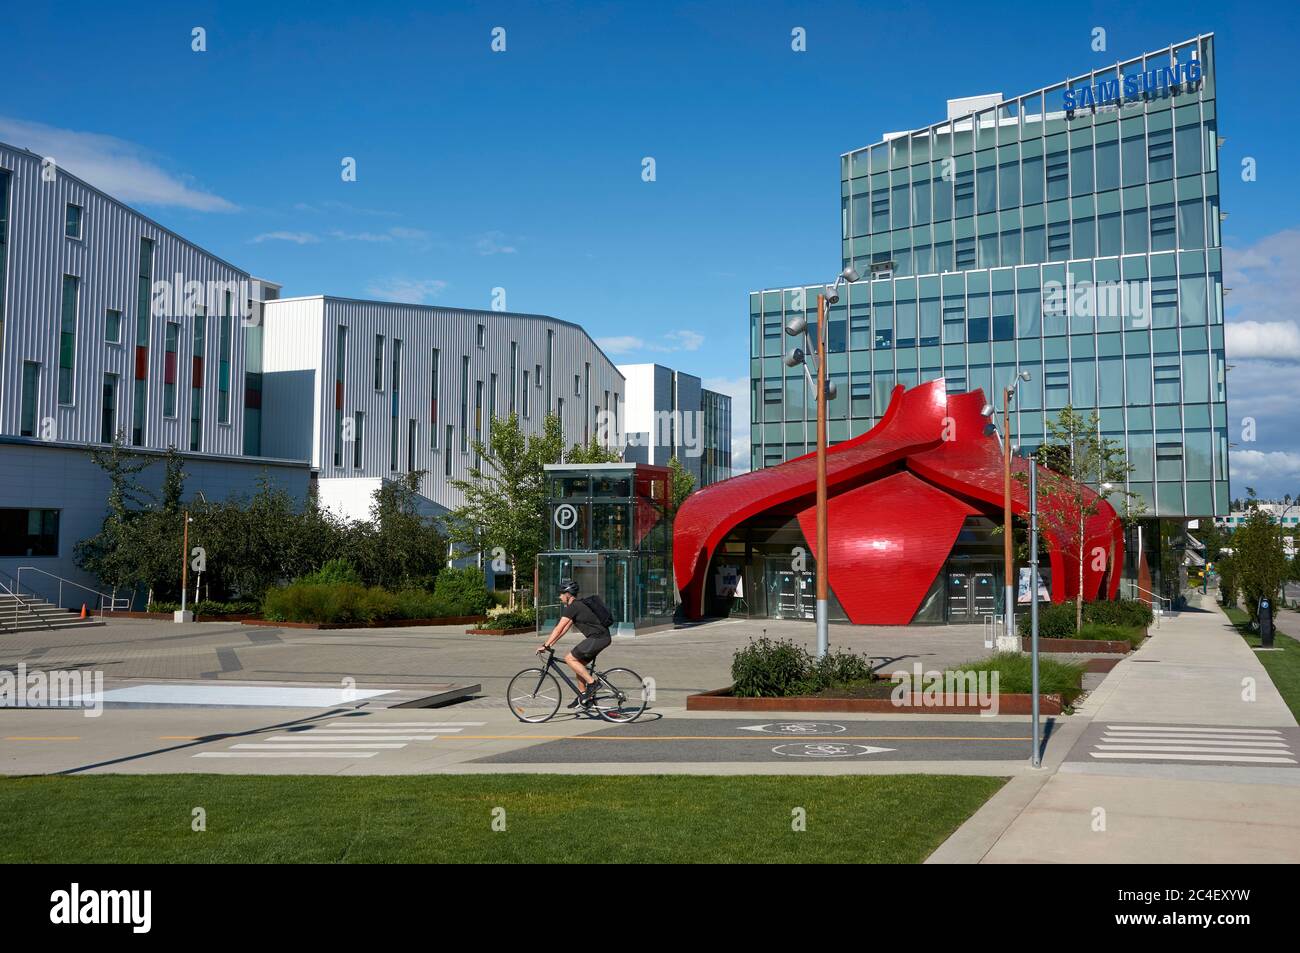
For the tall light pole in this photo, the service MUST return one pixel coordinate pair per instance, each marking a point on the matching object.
(798, 327)
(1008, 556)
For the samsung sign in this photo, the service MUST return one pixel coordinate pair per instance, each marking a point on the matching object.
(1115, 92)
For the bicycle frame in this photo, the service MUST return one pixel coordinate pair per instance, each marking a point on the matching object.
(563, 671)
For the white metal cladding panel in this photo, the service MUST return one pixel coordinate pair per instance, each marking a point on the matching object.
(454, 333)
(292, 347)
(106, 259)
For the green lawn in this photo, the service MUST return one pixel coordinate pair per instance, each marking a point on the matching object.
(1283, 667)
(448, 818)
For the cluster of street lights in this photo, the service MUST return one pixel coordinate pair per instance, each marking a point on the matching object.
(824, 391)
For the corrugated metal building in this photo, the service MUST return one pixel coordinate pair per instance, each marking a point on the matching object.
(110, 323)
(393, 388)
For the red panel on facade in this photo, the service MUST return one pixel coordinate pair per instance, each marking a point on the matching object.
(890, 539)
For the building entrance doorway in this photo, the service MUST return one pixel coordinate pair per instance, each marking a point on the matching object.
(972, 595)
(791, 593)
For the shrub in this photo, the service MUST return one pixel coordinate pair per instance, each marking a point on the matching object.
(778, 667)
(769, 668)
(462, 592)
(419, 604)
(319, 603)
(1126, 613)
(515, 619)
(1056, 620)
(333, 572)
(208, 607)
(836, 668)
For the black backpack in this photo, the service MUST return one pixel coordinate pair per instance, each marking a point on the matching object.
(599, 610)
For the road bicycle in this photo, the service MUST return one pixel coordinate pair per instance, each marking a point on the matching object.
(534, 695)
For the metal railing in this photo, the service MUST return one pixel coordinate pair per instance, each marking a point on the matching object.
(103, 600)
(20, 606)
(1163, 604)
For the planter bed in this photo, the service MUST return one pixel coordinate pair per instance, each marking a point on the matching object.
(380, 624)
(1079, 646)
(721, 699)
(518, 630)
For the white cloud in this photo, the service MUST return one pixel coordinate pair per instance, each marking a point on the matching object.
(360, 236)
(123, 169)
(335, 206)
(493, 243)
(1264, 278)
(677, 341)
(1266, 339)
(685, 340)
(620, 345)
(298, 238)
(396, 233)
(737, 388)
(1247, 466)
(407, 290)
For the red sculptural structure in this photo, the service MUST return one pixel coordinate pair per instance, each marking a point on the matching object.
(898, 496)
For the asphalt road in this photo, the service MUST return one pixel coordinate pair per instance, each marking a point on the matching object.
(682, 740)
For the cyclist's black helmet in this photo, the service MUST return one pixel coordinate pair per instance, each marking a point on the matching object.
(569, 586)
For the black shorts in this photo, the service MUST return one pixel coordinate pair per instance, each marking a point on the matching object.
(587, 650)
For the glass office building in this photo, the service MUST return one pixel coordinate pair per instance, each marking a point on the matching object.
(1072, 232)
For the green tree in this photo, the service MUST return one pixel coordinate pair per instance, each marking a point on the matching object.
(593, 452)
(110, 554)
(504, 504)
(405, 548)
(1074, 455)
(1259, 556)
(681, 484)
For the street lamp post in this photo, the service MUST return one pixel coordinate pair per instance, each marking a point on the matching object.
(825, 390)
(1009, 641)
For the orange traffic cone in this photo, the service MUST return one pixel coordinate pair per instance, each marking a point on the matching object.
(83, 610)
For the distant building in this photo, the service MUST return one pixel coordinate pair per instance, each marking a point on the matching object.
(671, 414)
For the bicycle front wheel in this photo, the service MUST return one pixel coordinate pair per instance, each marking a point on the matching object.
(534, 695)
(621, 697)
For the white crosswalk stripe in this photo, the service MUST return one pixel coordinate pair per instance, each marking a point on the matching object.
(1192, 743)
(340, 738)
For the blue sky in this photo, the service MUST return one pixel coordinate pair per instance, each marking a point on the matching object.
(522, 169)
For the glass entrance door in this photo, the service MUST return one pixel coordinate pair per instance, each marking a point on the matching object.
(959, 605)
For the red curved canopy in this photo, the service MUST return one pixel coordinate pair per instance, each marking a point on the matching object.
(897, 498)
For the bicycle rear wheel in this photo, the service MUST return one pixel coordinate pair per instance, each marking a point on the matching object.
(534, 695)
(621, 696)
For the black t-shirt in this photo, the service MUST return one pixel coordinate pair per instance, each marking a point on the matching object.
(584, 619)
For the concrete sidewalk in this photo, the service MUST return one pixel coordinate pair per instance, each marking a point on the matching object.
(1194, 670)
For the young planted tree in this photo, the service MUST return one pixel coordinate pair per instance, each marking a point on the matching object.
(111, 554)
(1259, 556)
(1075, 455)
(681, 484)
(505, 498)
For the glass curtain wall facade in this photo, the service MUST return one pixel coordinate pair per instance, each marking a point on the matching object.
(1079, 242)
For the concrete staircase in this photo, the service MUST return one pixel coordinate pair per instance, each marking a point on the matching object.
(33, 614)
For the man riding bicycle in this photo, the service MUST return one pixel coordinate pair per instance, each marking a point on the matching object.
(577, 612)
